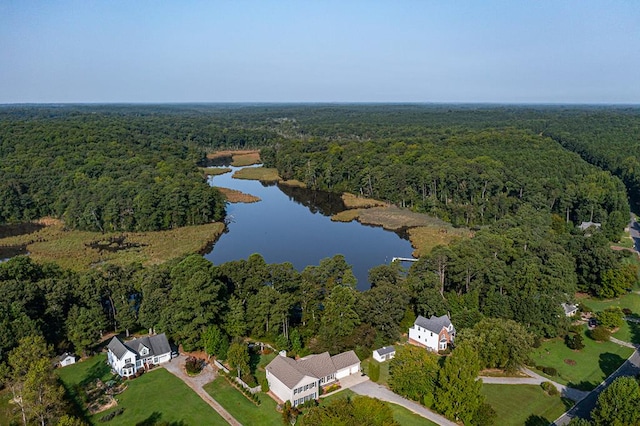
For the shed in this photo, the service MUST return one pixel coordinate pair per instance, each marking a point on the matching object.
(67, 359)
(384, 354)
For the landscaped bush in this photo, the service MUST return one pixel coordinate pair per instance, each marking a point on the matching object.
(627, 311)
(249, 380)
(193, 365)
(550, 371)
(600, 334)
(549, 388)
(374, 370)
(111, 415)
(264, 387)
(574, 341)
(611, 317)
(537, 342)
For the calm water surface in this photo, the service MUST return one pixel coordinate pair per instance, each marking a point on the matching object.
(294, 225)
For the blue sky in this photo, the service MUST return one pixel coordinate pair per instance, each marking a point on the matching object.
(514, 51)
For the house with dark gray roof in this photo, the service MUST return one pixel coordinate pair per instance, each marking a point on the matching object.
(435, 333)
(67, 359)
(384, 354)
(299, 381)
(126, 358)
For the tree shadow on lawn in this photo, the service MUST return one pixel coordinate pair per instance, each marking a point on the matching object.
(97, 371)
(610, 362)
(583, 385)
(634, 328)
(535, 420)
(155, 419)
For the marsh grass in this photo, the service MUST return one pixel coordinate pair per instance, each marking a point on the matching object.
(258, 173)
(352, 201)
(215, 171)
(235, 196)
(346, 215)
(70, 249)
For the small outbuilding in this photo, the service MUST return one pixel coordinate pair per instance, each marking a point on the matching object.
(67, 359)
(384, 354)
(569, 309)
(586, 225)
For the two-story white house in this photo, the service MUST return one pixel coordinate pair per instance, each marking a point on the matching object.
(300, 380)
(435, 333)
(127, 358)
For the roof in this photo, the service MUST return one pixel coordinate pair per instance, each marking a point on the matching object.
(344, 360)
(157, 345)
(66, 355)
(286, 370)
(290, 371)
(586, 225)
(117, 347)
(319, 365)
(385, 350)
(434, 324)
(568, 308)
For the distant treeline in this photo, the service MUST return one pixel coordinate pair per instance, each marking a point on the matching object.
(110, 169)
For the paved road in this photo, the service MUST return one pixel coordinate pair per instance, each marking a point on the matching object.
(176, 367)
(631, 367)
(375, 390)
(535, 379)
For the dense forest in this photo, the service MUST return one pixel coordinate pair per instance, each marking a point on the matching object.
(522, 178)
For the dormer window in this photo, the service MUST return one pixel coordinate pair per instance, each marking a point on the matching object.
(144, 351)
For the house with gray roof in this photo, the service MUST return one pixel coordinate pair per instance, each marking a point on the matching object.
(384, 354)
(126, 358)
(569, 309)
(67, 359)
(300, 380)
(435, 333)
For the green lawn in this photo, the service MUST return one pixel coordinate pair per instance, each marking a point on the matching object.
(241, 408)
(155, 396)
(260, 372)
(629, 300)
(591, 365)
(523, 404)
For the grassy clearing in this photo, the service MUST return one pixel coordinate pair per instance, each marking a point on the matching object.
(354, 202)
(258, 173)
(235, 196)
(346, 216)
(241, 408)
(425, 238)
(160, 396)
(153, 397)
(215, 171)
(584, 369)
(629, 301)
(523, 404)
(69, 248)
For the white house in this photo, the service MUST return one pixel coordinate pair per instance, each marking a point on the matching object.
(435, 333)
(586, 225)
(299, 381)
(384, 354)
(569, 309)
(127, 358)
(67, 359)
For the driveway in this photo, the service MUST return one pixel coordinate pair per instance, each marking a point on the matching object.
(631, 367)
(208, 374)
(375, 390)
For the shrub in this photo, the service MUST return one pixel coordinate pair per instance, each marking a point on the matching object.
(110, 416)
(627, 311)
(611, 317)
(374, 370)
(550, 371)
(264, 387)
(584, 308)
(600, 334)
(549, 388)
(537, 342)
(574, 341)
(577, 329)
(193, 365)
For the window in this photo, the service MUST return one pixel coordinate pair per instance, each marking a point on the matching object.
(295, 391)
(306, 387)
(127, 361)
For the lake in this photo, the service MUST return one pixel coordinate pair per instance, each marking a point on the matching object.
(293, 225)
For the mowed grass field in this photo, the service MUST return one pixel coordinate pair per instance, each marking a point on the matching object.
(584, 369)
(156, 396)
(523, 404)
(245, 411)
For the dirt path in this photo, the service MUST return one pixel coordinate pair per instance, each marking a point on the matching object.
(176, 367)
